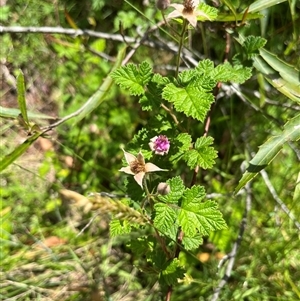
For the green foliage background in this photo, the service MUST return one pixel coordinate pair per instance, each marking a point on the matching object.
(47, 250)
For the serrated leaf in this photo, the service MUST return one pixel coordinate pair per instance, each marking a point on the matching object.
(160, 80)
(181, 144)
(176, 191)
(165, 217)
(118, 227)
(142, 245)
(224, 72)
(151, 98)
(269, 150)
(252, 45)
(185, 77)
(21, 97)
(209, 12)
(190, 100)
(145, 72)
(199, 217)
(133, 78)
(205, 66)
(18, 151)
(192, 243)
(203, 154)
(171, 273)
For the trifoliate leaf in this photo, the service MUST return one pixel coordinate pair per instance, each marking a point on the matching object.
(252, 45)
(210, 13)
(203, 154)
(133, 78)
(118, 227)
(171, 273)
(190, 100)
(195, 217)
(191, 243)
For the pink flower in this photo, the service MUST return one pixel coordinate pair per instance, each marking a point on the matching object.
(189, 10)
(137, 167)
(160, 145)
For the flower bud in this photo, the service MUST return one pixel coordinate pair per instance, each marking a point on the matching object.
(162, 4)
(160, 145)
(163, 188)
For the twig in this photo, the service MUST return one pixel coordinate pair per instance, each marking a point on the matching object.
(232, 255)
(278, 200)
(65, 31)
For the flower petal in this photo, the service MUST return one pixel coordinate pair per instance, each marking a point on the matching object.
(140, 158)
(178, 7)
(129, 157)
(139, 178)
(192, 19)
(196, 3)
(150, 167)
(127, 170)
(174, 14)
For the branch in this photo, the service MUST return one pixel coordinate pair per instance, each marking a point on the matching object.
(65, 31)
(278, 200)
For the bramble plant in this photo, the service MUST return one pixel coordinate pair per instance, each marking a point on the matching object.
(164, 214)
(180, 216)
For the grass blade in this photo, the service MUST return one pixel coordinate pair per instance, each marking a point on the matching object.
(21, 97)
(18, 151)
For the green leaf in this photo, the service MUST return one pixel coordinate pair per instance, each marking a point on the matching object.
(191, 100)
(171, 273)
(21, 97)
(14, 113)
(260, 5)
(202, 154)
(224, 72)
(225, 17)
(151, 98)
(195, 216)
(296, 196)
(252, 45)
(181, 144)
(192, 243)
(269, 150)
(287, 72)
(118, 227)
(142, 245)
(133, 78)
(209, 12)
(176, 191)
(18, 151)
(165, 217)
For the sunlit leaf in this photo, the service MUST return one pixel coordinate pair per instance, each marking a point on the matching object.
(269, 150)
(18, 151)
(21, 97)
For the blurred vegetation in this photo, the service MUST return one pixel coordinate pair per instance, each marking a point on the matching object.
(52, 247)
